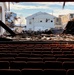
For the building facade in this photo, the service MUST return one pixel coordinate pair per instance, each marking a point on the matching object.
(40, 21)
(66, 18)
(58, 23)
(3, 9)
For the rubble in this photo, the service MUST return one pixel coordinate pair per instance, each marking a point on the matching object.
(41, 35)
(57, 37)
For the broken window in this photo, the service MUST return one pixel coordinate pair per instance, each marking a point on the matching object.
(57, 19)
(46, 20)
(33, 18)
(71, 15)
(51, 20)
(41, 21)
(29, 22)
(25, 26)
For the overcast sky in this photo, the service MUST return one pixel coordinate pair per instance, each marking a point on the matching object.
(26, 9)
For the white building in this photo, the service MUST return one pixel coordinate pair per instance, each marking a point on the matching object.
(3, 9)
(40, 21)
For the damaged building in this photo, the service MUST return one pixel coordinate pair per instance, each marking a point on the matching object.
(3, 9)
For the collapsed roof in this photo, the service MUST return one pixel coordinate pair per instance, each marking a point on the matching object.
(69, 29)
(7, 28)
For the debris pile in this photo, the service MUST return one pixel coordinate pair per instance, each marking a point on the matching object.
(67, 35)
(62, 37)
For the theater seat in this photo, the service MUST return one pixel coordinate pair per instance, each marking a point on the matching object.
(53, 65)
(4, 64)
(32, 71)
(10, 72)
(68, 65)
(54, 72)
(17, 64)
(70, 72)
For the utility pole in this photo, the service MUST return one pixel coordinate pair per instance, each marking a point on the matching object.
(33, 24)
(52, 12)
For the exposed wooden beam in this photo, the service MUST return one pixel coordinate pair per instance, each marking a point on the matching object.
(37, 0)
(7, 28)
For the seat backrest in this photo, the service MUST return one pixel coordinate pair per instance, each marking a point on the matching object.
(10, 72)
(32, 71)
(70, 72)
(54, 71)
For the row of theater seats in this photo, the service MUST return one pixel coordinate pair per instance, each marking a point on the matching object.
(66, 64)
(37, 64)
(36, 71)
(44, 45)
(24, 59)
